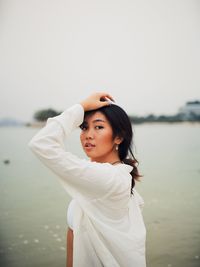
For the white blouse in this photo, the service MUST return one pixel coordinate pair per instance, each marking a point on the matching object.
(108, 225)
(70, 213)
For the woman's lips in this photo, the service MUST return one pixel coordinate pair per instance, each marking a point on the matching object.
(89, 146)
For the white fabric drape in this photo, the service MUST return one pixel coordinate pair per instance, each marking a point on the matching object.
(108, 224)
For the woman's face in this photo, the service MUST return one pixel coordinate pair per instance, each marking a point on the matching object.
(97, 138)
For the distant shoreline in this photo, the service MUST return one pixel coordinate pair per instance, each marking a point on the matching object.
(40, 125)
(134, 121)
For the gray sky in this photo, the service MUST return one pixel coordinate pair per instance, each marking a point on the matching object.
(53, 53)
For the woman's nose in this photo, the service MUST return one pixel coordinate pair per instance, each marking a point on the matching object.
(90, 134)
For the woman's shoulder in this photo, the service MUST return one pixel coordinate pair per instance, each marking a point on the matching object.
(115, 169)
(125, 167)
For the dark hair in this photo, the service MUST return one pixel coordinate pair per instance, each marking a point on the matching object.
(121, 126)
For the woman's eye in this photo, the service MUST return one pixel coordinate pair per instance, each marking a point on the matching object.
(83, 128)
(98, 127)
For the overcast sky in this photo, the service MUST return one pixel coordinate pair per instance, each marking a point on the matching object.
(53, 53)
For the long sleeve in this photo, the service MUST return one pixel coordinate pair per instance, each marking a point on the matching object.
(78, 176)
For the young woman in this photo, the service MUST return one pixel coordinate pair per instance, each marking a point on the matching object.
(106, 227)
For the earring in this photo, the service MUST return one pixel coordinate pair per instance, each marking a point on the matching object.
(117, 147)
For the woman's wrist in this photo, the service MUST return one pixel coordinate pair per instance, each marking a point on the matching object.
(84, 105)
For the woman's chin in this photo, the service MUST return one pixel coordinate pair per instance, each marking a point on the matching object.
(90, 154)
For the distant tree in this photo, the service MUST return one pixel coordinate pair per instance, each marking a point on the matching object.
(179, 117)
(137, 119)
(44, 114)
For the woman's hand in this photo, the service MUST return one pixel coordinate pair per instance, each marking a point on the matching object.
(96, 100)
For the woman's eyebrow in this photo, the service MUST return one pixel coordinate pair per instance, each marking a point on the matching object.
(98, 120)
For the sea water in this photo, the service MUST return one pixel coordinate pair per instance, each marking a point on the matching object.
(33, 204)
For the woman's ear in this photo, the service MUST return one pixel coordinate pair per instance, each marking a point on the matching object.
(118, 140)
